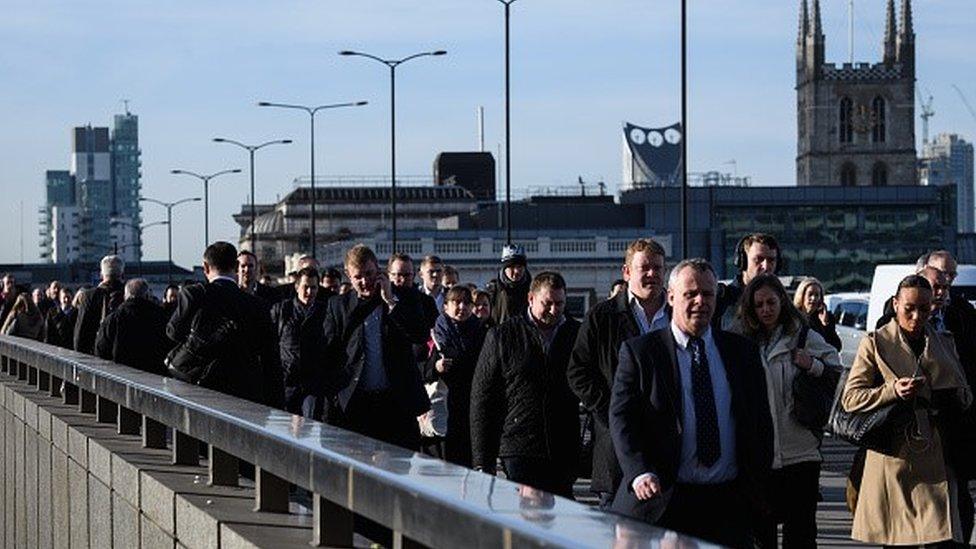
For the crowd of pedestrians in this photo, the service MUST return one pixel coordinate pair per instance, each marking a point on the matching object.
(705, 403)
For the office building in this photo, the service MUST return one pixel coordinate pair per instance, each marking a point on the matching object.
(947, 160)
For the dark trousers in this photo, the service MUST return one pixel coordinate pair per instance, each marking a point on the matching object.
(792, 495)
(965, 509)
(712, 512)
(540, 473)
(377, 415)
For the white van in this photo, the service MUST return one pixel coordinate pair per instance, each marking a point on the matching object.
(887, 277)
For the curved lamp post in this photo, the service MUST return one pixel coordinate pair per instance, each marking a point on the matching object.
(250, 151)
(206, 196)
(393, 64)
(312, 110)
(169, 226)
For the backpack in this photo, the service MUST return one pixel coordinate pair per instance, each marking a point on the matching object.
(214, 339)
(813, 397)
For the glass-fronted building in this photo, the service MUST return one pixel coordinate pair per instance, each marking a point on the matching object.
(837, 234)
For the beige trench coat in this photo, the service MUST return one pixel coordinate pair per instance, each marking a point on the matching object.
(905, 499)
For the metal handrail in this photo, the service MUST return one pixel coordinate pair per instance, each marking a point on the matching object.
(421, 499)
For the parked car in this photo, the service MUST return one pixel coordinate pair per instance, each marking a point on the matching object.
(850, 311)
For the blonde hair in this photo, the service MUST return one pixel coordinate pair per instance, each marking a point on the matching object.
(359, 255)
(648, 245)
(799, 298)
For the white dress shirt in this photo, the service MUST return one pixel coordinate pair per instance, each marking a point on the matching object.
(659, 322)
(690, 471)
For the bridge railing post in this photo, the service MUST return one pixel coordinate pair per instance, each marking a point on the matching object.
(270, 492)
(153, 433)
(332, 524)
(70, 394)
(87, 403)
(224, 468)
(128, 421)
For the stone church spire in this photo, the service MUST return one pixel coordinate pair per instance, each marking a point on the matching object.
(804, 22)
(907, 29)
(890, 47)
(814, 41)
(906, 38)
(816, 29)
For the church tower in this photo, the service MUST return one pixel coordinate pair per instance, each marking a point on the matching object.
(856, 122)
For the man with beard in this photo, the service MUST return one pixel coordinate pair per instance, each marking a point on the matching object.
(756, 254)
(522, 409)
(510, 291)
(635, 311)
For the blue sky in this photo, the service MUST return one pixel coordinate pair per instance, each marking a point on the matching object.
(194, 70)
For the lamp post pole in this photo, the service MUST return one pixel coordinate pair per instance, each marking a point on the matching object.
(392, 64)
(169, 227)
(250, 151)
(684, 129)
(206, 196)
(508, 124)
(138, 243)
(312, 111)
(143, 228)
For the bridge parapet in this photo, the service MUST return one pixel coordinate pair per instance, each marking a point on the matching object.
(99, 454)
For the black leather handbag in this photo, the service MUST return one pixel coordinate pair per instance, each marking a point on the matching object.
(884, 429)
(212, 341)
(813, 396)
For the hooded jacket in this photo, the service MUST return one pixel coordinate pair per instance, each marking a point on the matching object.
(509, 297)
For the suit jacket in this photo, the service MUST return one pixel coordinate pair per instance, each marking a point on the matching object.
(646, 419)
(135, 335)
(345, 344)
(590, 372)
(93, 306)
(255, 372)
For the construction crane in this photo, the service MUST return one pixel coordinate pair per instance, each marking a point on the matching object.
(927, 112)
(965, 102)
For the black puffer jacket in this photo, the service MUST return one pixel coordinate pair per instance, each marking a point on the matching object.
(135, 335)
(509, 298)
(301, 344)
(521, 404)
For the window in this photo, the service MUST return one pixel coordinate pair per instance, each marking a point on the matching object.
(846, 119)
(879, 175)
(848, 175)
(878, 120)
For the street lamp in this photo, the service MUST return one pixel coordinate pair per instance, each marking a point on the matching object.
(169, 226)
(684, 129)
(393, 64)
(311, 115)
(206, 196)
(250, 150)
(508, 126)
(143, 228)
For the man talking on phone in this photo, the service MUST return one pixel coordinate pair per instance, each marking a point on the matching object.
(374, 384)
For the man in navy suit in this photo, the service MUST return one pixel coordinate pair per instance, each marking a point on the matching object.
(690, 419)
(373, 380)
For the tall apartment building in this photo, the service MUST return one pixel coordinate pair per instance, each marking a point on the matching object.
(947, 160)
(99, 194)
